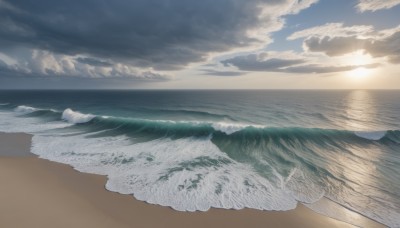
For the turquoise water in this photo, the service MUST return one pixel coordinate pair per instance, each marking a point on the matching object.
(192, 150)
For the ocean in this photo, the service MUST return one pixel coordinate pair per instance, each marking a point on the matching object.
(193, 150)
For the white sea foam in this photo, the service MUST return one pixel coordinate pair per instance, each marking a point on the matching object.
(4, 103)
(303, 187)
(230, 128)
(227, 128)
(22, 110)
(9, 123)
(167, 172)
(76, 117)
(371, 135)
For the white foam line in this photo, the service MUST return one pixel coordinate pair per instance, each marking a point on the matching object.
(22, 109)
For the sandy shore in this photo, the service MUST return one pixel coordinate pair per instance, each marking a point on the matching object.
(39, 193)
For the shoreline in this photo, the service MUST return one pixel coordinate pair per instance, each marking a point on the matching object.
(42, 193)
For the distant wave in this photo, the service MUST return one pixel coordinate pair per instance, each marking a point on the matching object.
(193, 113)
(122, 125)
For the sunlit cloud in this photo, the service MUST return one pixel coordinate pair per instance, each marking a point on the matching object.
(374, 5)
(335, 29)
(342, 40)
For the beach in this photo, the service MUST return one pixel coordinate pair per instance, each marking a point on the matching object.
(253, 113)
(41, 193)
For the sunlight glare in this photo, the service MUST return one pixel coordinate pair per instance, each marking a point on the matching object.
(360, 73)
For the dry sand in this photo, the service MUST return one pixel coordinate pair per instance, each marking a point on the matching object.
(40, 193)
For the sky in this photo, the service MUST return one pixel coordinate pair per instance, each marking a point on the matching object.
(207, 44)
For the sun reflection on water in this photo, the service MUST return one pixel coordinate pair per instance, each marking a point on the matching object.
(360, 110)
(357, 181)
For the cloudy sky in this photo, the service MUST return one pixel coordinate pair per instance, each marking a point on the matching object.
(207, 44)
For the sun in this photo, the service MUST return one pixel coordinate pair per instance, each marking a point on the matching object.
(360, 73)
(360, 63)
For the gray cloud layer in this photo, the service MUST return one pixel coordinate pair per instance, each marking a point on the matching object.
(45, 65)
(93, 62)
(252, 62)
(260, 63)
(222, 73)
(318, 69)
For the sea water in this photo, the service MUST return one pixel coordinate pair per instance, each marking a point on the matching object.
(193, 150)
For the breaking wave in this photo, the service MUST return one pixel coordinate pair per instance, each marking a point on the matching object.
(76, 117)
(120, 125)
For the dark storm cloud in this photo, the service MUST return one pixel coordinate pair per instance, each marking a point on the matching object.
(163, 34)
(253, 62)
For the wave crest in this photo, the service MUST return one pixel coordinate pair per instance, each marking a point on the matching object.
(192, 128)
(22, 109)
(76, 117)
(230, 128)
